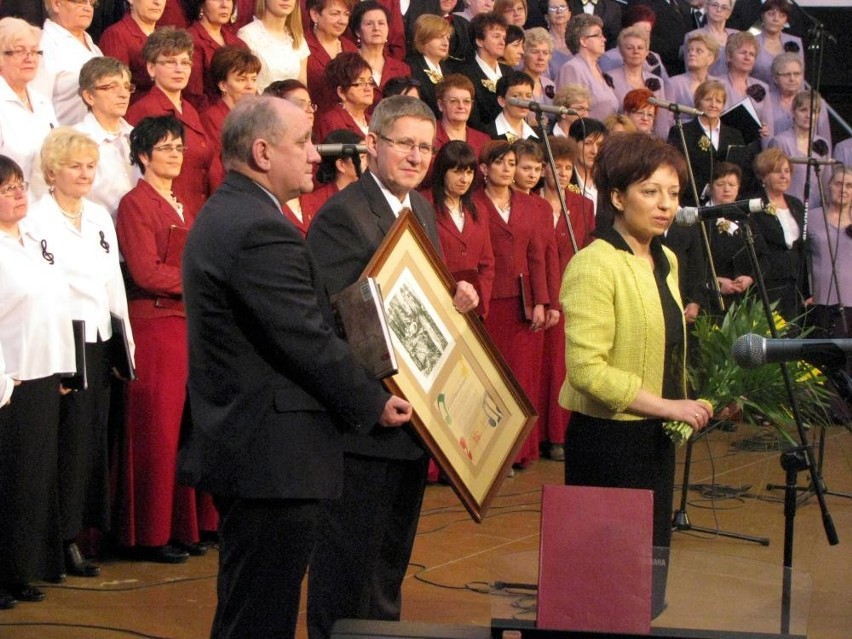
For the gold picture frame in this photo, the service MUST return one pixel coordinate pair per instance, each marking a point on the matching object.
(469, 410)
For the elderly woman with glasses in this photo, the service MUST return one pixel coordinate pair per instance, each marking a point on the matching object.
(788, 80)
(538, 51)
(557, 15)
(235, 71)
(587, 41)
(717, 13)
(577, 98)
(633, 45)
(277, 38)
(158, 518)
(26, 116)
(168, 53)
(352, 78)
(741, 52)
(37, 346)
(771, 42)
(66, 47)
(369, 24)
(81, 236)
(643, 114)
(124, 41)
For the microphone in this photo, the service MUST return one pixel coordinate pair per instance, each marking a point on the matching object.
(674, 107)
(340, 149)
(535, 107)
(826, 162)
(753, 351)
(737, 211)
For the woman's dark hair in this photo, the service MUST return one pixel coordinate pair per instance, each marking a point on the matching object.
(626, 159)
(327, 169)
(513, 34)
(493, 151)
(724, 169)
(400, 86)
(283, 88)
(231, 59)
(167, 41)
(345, 69)
(455, 154)
(781, 5)
(148, 132)
(192, 9)
(10, 171)
(360, 9)
(583, 128)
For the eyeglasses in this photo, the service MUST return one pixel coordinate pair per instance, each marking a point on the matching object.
(22, 54)
(557, 10)
(648, 115)
(363, 83)
(719, 6)
(599, 34)
(80, 3)
(458, 101)
(11, 190)
(789, 75)
(117, 86)
(171, 63)
(407, 146)
(170, 148)
(309, 107)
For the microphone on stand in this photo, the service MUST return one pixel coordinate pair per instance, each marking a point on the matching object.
(674, 107)
(536, 107)
(340, 149)
(737, 211)
(753, 351)
(826, 162)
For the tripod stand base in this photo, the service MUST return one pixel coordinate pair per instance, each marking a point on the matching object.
(681, 523)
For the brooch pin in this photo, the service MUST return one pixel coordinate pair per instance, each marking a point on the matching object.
(490, 85)
(704, 143)
(434, 76)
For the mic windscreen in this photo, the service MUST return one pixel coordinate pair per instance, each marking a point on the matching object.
(687, 216)
(749, 351)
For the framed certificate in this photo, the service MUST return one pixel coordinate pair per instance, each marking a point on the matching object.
(469, 409)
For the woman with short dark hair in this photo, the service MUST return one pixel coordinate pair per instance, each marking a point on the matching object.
(370, 25)
(352, 79)
(234, 71)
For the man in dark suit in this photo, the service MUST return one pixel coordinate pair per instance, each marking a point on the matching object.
(607, 10)
(366, 535)
(270, 384)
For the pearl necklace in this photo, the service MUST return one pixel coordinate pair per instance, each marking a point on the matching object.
(69, 215)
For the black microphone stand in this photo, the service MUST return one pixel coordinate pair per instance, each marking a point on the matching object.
(351, 151)
(714, 281)
(794, 459)
(539, 116)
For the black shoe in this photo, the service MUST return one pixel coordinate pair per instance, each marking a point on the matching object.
(160, 554)
(196, 549)
(26, 592)
(56, 579)
(78, 565)
(7, 601)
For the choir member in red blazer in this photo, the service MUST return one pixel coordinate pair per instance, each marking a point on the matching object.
(173, 15)
(520, 293)
(124, 41)
(157, 518)
(369, 25)
(552, 417)
(168, 53)
(210, 32)
(329, 20)
(351, 77)
(334, 173)
(396, 30)
(234, 70)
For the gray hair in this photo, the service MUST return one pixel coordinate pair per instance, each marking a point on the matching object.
(12, 29)
(783, 59)
(398, 106)
(536, 36)
(253, 118)
(576, 29)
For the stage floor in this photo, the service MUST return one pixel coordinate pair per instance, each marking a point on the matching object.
(715, 582)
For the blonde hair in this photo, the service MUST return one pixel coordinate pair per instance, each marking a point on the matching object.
(428, 27)
(634, 32)
(709, 41)
(293, 21)
(12, 29)
(619, 119)
(62, 145)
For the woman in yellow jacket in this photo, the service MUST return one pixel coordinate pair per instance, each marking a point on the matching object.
(625, 334)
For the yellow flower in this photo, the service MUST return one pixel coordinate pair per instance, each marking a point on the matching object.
(434, 76)
(770, 209)
(574, 188)
(704, 143)
(723, 225)
(511, 138)
(490, 85)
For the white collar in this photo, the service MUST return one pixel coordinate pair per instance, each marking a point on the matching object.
(393, 201)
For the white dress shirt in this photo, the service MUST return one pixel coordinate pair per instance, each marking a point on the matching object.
(394, 202)
(115, 176)
(59, 72)
(501, 124)
(89, 260)
(7, 384)
(22, 132)
(35, 323)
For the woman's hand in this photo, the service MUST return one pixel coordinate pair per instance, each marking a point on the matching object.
(691, 312)
(64, 391)
(743, 282)
(727, 286)
(690, 411)
(551, 318)
(538, 318)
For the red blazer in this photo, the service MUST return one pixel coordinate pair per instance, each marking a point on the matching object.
(173, 15)
(324, 96)
(245, 14)
(313, 201)
(517, 249)
(393, 69)
(468, 253)
(476, 139)
(336, 118)
(302, 224)
(580, 212)
(395, 46)
(124, 41)
(212, 119)
(542, 215)
(202, 169)
(201, 90)
(143, 225)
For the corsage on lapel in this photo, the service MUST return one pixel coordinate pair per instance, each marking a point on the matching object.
(574, 188)
(756, 92)
(770, 209)
(434, 76)
(490, 85)
(704, 143)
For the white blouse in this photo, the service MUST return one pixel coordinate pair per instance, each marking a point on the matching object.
(89, 260)
(35, 322)
(279, 59)
(22, 132)
(58, 75)
(7, 384)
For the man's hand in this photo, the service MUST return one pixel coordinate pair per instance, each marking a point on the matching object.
(466, 298)
(397, 412)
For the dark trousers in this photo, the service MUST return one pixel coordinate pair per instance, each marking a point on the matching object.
(264, 549)
(364, 543)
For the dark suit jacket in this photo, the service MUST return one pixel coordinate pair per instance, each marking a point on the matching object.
(270, 384)
(485, 106)
(607, 10)
(418, 66)
(703, 161)
(673, 22)
(747, 12)
(343, 237)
